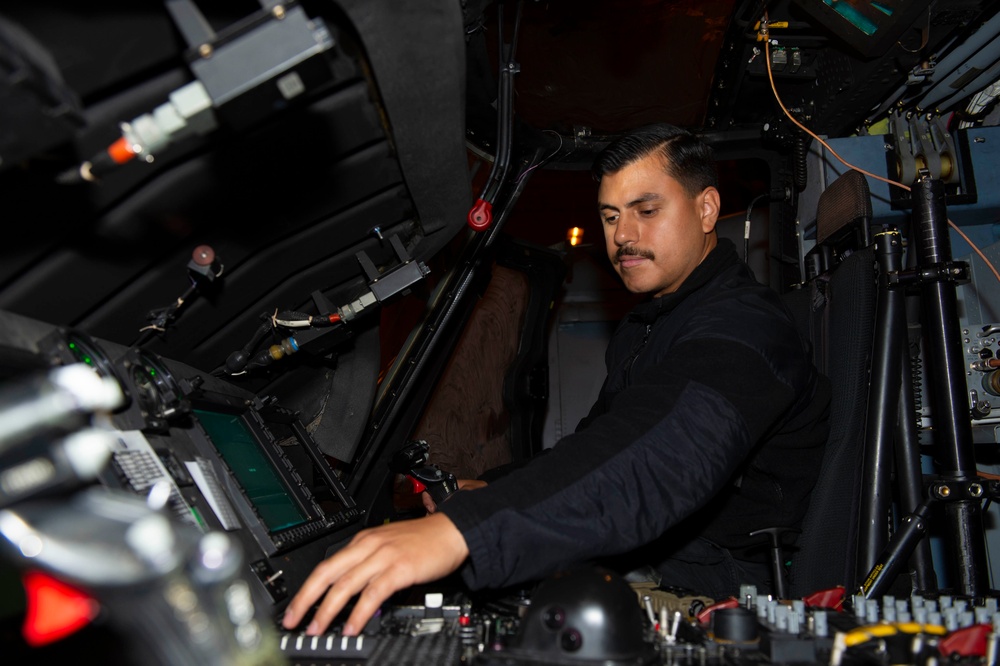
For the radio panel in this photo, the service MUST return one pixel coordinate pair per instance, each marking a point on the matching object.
(982, 355)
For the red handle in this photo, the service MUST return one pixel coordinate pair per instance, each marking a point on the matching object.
(481, 215)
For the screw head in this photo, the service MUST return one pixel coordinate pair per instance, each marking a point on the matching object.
(554, 617)
(571, 640)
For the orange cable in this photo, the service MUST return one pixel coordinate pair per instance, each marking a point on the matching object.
(777, 97)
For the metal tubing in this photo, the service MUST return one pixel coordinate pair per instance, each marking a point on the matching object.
(910, 476)
(505, 106)
(883, 403)
(890, 563)
(945, 367)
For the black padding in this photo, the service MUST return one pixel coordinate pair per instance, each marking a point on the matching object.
(843, 330)
(802, 304)
(417, 52)
(843, 204)
(352, 392)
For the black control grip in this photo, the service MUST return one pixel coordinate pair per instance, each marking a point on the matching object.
(439, 484)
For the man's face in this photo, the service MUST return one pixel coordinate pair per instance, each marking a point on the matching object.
(656, 233)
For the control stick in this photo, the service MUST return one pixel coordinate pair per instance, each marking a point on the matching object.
(411, 461)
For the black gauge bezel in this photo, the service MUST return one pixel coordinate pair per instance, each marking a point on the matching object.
(81, 348)
(165, 396)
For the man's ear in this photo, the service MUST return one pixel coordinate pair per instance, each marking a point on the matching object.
(709, 203)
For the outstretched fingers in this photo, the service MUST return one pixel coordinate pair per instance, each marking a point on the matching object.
(376, 592)
(362, 579)
(377, 563)
(319, 583)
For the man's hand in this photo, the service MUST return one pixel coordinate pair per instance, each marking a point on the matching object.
(463, 484)
(377, 563)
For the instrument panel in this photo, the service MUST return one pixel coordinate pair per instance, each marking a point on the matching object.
(219, 457)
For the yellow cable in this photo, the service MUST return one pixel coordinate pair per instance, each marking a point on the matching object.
(862, 635)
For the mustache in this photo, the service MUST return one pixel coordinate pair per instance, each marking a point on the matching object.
(629, 251)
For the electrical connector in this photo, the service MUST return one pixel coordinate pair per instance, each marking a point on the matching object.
(354, 308)
(188, 112)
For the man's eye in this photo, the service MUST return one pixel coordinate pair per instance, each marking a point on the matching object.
(649, 212)
(610, 219)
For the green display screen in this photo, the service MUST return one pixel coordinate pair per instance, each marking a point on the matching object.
(861, 15)
(263, 487)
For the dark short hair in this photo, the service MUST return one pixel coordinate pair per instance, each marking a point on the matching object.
(688, 159)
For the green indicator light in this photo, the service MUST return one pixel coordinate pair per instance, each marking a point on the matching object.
(87, 360)
(152, 373)
(197, 517)
(72, 345)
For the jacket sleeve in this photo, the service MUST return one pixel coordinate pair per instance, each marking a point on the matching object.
(665, 446)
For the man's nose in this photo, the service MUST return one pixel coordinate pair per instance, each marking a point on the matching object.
(626, 232)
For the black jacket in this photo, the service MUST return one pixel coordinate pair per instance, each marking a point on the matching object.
(711, 423)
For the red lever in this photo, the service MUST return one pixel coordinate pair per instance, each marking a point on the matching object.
(967, 642)
(55, 610)
(832, 598)
(481, 215)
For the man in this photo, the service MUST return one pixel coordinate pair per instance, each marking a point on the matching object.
(709, 425)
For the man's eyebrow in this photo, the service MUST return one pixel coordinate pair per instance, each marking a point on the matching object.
(645, 197)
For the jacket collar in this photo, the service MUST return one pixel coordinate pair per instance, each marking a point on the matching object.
(722, 256)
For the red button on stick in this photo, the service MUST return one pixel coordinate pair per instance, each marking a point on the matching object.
(55, 610)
